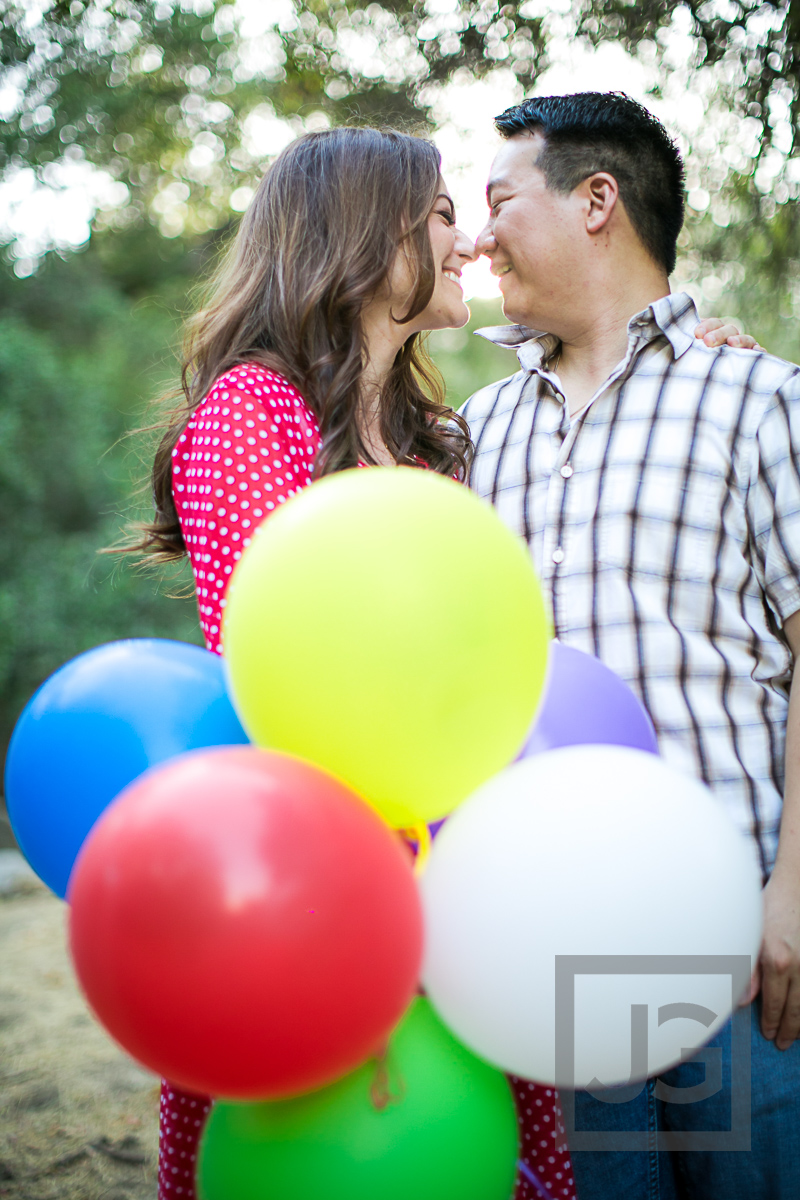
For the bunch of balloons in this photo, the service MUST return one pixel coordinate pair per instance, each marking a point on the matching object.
(245, 919)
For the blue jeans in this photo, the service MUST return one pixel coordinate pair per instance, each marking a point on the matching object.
(769, 1170)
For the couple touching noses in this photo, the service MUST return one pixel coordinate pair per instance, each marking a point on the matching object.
(537, 240)
(649, 462)
(571, 263)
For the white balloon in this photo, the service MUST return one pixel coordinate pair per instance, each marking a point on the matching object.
(591, 851)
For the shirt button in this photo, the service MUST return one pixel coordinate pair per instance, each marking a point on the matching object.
(566, 471)
(558, 555)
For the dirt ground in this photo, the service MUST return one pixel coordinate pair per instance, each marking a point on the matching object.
(78, 1118)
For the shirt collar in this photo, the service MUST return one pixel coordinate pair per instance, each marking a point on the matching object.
(673, 317)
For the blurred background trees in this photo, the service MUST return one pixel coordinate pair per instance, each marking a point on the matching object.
(162, 115)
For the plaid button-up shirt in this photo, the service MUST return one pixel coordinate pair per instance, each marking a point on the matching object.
(664, 522)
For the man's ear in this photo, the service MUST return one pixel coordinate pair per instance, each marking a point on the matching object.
(599, 193)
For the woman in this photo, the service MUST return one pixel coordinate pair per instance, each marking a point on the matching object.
(306, 361)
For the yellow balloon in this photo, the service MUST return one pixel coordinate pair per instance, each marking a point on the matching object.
(385, 625)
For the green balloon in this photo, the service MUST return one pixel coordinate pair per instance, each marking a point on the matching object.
(436, 1124)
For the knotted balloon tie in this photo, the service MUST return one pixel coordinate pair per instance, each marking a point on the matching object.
(420, 836)
(380, 1092)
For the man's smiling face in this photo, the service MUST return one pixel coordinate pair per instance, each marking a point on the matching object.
(533, 237)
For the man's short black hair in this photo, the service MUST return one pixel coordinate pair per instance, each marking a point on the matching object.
(607, 131)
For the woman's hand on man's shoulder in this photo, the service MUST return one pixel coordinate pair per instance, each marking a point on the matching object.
(715, 332)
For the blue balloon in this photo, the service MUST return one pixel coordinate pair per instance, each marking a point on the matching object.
(585, 702)
(94, 726)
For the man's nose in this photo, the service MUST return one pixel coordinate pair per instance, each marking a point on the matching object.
(485, 242)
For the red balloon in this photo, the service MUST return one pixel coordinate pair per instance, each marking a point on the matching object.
(244, 924)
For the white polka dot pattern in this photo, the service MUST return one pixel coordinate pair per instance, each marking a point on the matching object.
(546, 1169)
(182, 1118)
(246, 449)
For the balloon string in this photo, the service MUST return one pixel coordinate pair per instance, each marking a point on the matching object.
(420, 834)
(533, 1178)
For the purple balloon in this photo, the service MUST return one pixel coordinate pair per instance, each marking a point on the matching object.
(585, 702)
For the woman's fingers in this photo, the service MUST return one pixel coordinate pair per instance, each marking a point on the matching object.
(743, 340)
(715, 332)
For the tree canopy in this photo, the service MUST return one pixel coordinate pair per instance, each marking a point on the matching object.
(166, 96)
(175, 99)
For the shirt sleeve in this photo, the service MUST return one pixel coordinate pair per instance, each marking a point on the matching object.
(773, 502)
(247, 449)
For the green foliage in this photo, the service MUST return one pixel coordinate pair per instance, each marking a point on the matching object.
(164, 95)
(758, 39)
(469, 362)
(135, 85)
(755, 261)
(77, 360)
(130, 87)
(158, 92)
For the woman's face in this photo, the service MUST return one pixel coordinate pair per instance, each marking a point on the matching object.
(451, 250)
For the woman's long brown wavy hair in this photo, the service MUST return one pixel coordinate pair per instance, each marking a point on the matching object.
(316, 244)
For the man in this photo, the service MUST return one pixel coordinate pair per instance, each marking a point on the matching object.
(656, 483)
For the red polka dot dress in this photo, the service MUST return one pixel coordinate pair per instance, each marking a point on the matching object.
(247, 449)
(181, 1120)
(544, 1167)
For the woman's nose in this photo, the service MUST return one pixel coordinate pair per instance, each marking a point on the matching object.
(465, 247)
